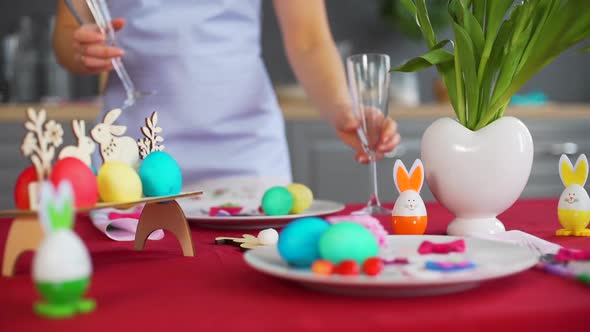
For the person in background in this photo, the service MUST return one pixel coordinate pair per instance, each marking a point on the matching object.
(217, 106)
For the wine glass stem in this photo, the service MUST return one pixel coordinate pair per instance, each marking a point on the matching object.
(374, 198)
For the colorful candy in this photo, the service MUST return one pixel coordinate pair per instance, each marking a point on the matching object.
(323, 267)
(373, 266)
(348, 267)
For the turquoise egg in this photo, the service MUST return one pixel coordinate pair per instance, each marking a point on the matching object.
(277, 201)
(347, 240)
(160, 175)
(298, 241)
(94, 170)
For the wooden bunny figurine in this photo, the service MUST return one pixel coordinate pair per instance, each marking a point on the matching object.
(61, 266)
(573, 208)
(409, 212)
(114, 146)
(85, 147)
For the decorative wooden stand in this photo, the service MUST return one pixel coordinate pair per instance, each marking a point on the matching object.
(168, 216)
(25, 233)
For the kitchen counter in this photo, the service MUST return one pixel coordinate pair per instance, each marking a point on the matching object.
(296, 107)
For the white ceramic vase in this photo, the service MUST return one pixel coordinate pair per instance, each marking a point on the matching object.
(477, 174)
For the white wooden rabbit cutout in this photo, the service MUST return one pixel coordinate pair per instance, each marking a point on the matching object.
(114, 146)
(409, 212)
(85, 147)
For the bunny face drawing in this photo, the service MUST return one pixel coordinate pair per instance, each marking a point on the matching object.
(409, 212)
(573, 208)
(62, 265)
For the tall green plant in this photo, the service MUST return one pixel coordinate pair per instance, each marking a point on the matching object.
(497, 48)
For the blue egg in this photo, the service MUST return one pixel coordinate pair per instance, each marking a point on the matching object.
(94, 170)
(160, 175)
(298, 241)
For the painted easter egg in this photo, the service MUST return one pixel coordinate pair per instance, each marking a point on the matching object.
(298, 241)
(277, 201)
(80, 176)
(118, 182)
(347, 241)
(160, 175)
(21, 187)
(302, 197)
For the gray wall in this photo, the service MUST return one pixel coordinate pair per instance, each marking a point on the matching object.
(358, 21)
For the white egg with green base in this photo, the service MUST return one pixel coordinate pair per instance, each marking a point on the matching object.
(62, 266)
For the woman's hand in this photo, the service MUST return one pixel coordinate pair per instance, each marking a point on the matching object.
(90, 50)
(382, 136)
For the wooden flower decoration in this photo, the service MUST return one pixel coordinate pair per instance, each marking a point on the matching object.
(150, 142)
(41, 140)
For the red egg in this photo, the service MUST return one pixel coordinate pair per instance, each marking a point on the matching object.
(80, 176)
(21, 188)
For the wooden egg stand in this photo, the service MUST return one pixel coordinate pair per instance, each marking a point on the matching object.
(25, 233)
(164, 212)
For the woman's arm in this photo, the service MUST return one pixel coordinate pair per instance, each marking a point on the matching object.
(80, 48)
(317, 64)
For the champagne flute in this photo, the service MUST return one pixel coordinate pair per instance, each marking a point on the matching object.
(103, 19)
(368, 78)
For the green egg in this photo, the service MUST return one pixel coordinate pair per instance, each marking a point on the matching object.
(277, 201)
(347, 240)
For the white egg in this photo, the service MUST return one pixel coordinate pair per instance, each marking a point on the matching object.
(409, 204)
(268, 236)
(61, 256)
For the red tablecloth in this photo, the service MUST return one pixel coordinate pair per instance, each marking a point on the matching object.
(158, 289)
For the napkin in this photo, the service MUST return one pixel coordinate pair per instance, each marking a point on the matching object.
(120, 225)
(522, 238)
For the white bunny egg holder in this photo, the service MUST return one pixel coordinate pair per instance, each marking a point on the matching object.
(62, 258)
(573, 208)
(409, 214)
(40, 144)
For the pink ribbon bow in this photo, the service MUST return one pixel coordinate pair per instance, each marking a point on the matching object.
(428, 247)
(120, 215)
(566, 255)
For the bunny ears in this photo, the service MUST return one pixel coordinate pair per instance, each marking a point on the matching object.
(56, 207)
(577, 174)
(412, 181)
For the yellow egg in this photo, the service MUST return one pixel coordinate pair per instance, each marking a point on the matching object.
(302, 197)
(118, 182)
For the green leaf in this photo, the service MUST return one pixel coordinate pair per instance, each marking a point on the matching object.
(479, 10)
(434, 57)
(585, 49)
(424, 23)
(410, 6)
(474, 29)
(495, 11)
(465, 53)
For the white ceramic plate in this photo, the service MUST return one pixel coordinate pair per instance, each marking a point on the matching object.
(196, 215)
(493, 260)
